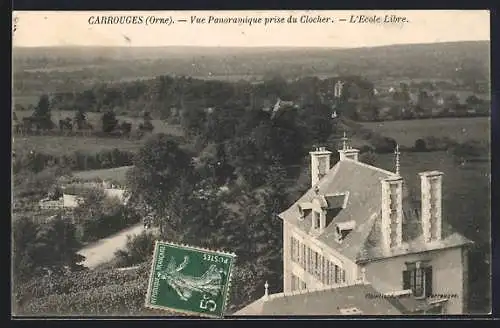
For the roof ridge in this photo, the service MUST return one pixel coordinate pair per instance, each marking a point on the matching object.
(370, 167)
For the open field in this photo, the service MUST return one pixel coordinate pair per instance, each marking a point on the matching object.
(60, 145)
(115, 174)
(459, 129)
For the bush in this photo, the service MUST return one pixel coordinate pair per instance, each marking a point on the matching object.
(44, 247)
(99, 216)
(246, 283)
(76, 282)
(114, 299)
(432, 143)
(137, 249)
(420, 145)
(384, 144)
(96, 292)
(77, 160)
(470, 149)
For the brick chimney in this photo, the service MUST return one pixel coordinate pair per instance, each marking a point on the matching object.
(431, 199)
(392, 212)
(320, 164)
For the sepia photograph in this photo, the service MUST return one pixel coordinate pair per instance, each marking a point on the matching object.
(240, 164)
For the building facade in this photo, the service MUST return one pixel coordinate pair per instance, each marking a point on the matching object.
(356, 220)
(357, 223)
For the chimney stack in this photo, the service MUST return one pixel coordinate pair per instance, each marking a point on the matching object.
(320, 164)
(392, 212)
(431, 199)
(347, 151)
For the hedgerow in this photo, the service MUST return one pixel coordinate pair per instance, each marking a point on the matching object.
(76, 282)
(118, 298)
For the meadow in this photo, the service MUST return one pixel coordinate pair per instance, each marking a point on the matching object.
(114, 174)
(57, 145)
(406, 132)
(60, 145)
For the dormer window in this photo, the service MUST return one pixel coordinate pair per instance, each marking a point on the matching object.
(342, 229)
(304, 209)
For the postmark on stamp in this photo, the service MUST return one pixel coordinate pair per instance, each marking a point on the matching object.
(189, 280)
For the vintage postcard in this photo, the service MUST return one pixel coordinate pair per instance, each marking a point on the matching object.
(316, 163)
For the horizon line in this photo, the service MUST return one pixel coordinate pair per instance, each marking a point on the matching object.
(244, 47)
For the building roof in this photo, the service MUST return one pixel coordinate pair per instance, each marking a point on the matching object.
(362, 183)
(323, 302)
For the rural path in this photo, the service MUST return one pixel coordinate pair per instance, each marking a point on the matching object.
(103, 250)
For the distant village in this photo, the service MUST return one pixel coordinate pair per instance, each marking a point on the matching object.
(364, 101)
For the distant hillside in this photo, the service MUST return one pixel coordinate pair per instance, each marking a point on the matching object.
(91, 52)
(73, 68)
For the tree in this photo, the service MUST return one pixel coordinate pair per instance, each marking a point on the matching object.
(50, 246)
(247, 283)
(146, 125)
(137, 250)
(473, 100)
(24, 234)
(109, 122)
(161, 177)
(80, 118)
(42, 113)
(420, 145)
(42, 110)
(368, 158)
(452, 101)
(126, 128)
(470, 149)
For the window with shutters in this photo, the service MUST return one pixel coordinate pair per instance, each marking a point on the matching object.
(295, 250)
(418, 278)
(323, 270)
(303, 256)
(308, 251)
(317, 265)
(327, 272)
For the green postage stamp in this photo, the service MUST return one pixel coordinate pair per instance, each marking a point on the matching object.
(189, 280)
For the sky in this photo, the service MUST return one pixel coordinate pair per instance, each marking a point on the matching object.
(35, 29)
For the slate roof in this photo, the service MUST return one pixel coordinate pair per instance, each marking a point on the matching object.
(363, 243)
(323, 302)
